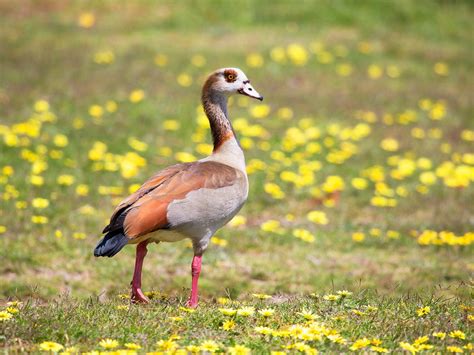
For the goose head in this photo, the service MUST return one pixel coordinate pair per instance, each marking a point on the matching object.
(229, 81)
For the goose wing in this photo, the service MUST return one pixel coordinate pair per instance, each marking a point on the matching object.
(146, 210)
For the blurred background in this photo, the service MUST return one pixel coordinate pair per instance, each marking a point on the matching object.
(360, 159)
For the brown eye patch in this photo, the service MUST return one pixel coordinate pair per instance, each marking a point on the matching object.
(230, 75)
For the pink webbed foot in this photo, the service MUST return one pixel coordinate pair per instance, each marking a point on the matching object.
(138, 296)
(192, 304)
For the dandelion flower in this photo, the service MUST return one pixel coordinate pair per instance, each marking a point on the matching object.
(228, 311)
(209, 345)
(50, 346)
(255, 60)
(246, 311)
(358, 236)
(86, 20)
(457, 334)
(36, 180)
(161, 60)
(421, 312)
(184, 79)
(238, 350)
(40, 203)
(132, 346)
(228, 325)
(441, 68)
(136, 96)
(317, 217)
(4, 316)
(267, 312)
(109, 343)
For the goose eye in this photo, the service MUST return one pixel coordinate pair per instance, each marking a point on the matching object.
(230, 77)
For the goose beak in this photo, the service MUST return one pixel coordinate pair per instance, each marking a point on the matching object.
(249, 91)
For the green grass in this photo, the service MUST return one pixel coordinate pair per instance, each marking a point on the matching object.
(70, 297)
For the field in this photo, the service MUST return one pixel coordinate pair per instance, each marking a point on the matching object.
(358, 231)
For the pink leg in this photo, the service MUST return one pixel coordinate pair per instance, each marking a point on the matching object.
(137, 294)
(195, 271)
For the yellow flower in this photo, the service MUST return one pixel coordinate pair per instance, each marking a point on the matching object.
(271, 225)
(82, 190)
(360, 343)
(285, 113)
(308, 315)
(454, 349)
(60, 140)
(171, 125)
(359, 183)
(274, 190)
(109, 343)
(161, 60)
(187, 310)
(228, 325)
(204, 148)
(246, 311)
(237, 221)
(333, 183)
(39, 219)
(331, 297)
(3, 229)
(184, 79)
(421, 312)
(267, 312)
(209, 345)
(297, 54)
(111, 106)
(389, 144)
(441, 68)
(409, 347)
(393, 234)
(304, 234)
(184, 157)
(50, 346)
(260, 111)
(255, 60)
(238, 350)
(218, 241)
(344, 293)
(393, 71)
(136, 144)
(378, 349)
(4, 316)
(41, 106)
(136, 95)
(40, 203)
(374, 71)
(457, 334)
(86, 20)
(167, 345)
(261, 296)
(65, 180)
(132, 346)
(317, 217)
(198, 60)
(104, 57)
(278, 54)
(228, 311)
(358, 236)
(344, 69)
(439, 335)
(96, 111)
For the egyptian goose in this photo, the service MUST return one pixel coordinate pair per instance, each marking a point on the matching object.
(189, 200)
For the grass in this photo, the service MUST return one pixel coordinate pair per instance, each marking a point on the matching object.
(400, 72)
